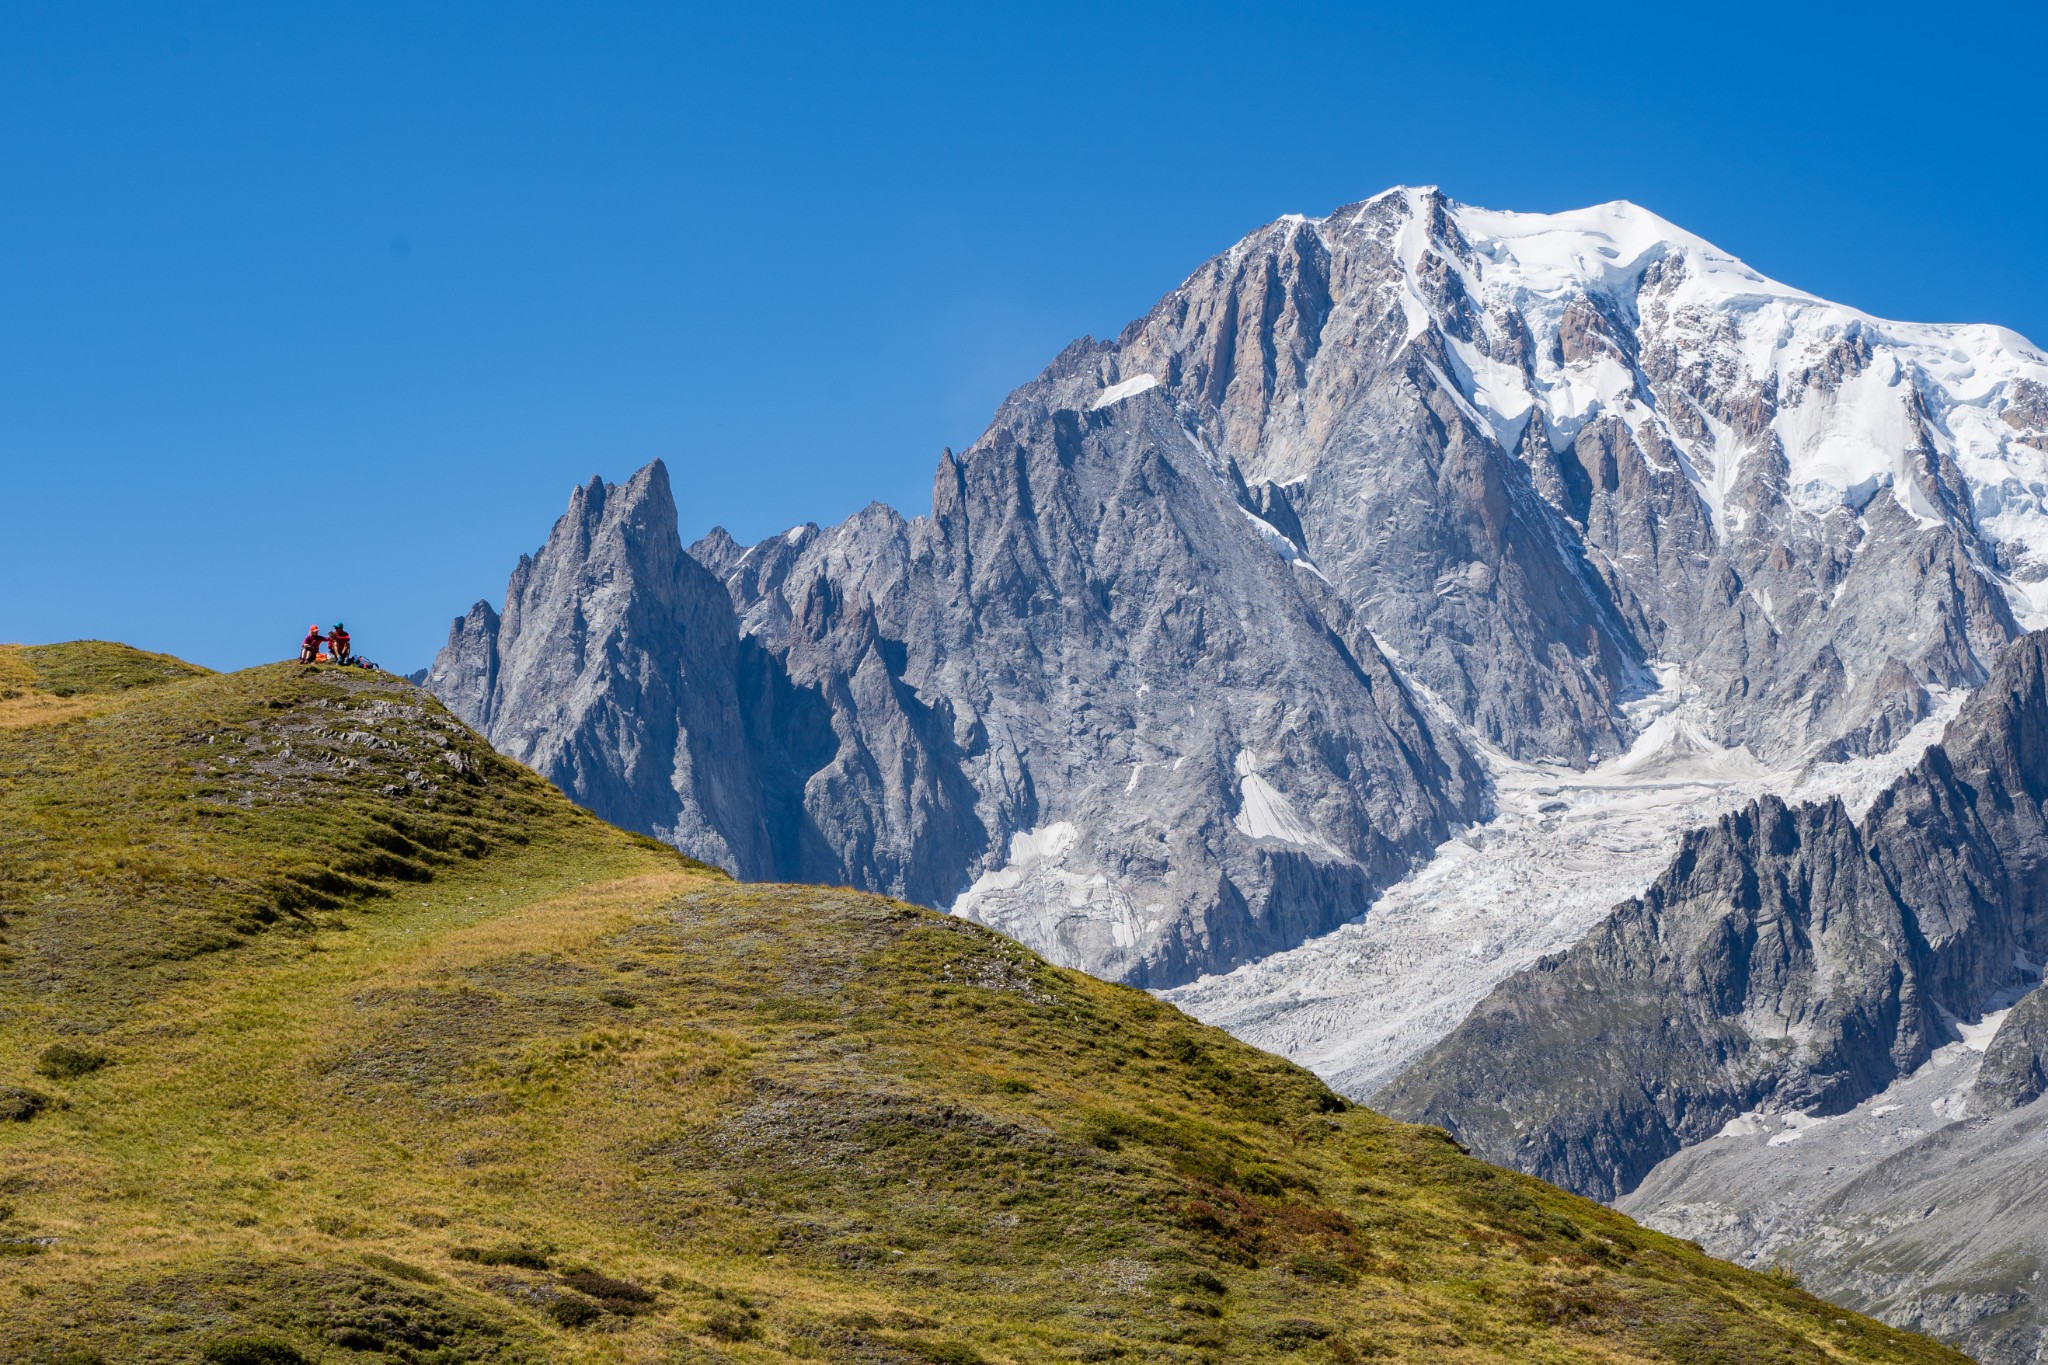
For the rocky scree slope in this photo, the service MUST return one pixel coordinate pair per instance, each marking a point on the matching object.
(1376, 495)
(1920, 1205)
(1793, 961)
(344, 1038)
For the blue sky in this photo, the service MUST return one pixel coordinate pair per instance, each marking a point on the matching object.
(310, 311)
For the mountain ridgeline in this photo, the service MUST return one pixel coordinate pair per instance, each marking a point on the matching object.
(967, 679)
(1205, 639)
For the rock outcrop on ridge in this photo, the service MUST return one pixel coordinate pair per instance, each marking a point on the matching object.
(1204, 638)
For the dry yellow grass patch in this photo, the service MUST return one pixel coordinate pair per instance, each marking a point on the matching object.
(40, 708)
(22, 702)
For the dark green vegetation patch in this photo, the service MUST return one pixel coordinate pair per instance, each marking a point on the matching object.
(62, 1062)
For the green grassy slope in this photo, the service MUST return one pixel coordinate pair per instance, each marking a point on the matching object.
(332, 1036)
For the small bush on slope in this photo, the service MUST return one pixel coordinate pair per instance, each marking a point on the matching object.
(828, 1126)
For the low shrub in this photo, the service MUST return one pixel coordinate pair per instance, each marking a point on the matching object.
(19, 1106)
(1194, 1280)
(574, 1311)
(947, 1352)
(1291, 1334)
(732, 1327)
(62, 1062)
(254, 1351)
(512, 1254)
(1322, 1270)
(618, 1295)
(391, 1265)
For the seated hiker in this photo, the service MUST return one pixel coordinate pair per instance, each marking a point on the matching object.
(309, 648)
(338, 641)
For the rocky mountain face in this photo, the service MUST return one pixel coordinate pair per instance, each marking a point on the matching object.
(1537, 451)
(1087, 657)
(1225, 625)
(1797, 976)
(2015, 1068)
(614, 672)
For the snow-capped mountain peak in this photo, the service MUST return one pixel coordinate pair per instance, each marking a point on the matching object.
(1555, 314)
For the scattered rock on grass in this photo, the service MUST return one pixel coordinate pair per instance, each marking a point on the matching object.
(19, 1106)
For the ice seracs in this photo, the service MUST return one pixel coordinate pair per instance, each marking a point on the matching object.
(1360, 1003)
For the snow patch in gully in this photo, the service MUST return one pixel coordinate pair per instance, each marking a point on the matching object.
(1129, 388)
(1266, 813)
(1035, 899)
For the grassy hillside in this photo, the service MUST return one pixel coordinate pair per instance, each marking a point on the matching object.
(328, 1035)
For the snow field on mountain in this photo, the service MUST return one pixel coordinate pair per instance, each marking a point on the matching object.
(1960, 390)
(1115, 393)
(1034, 898)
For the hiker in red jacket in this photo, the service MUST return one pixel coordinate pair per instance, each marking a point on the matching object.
(338, 643)
(309, 648)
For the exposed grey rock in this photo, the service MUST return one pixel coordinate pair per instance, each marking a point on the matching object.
(1293, 356)
(465, 673)
(613, 672)
(1215, 760)
(1920, 1206)
(2015, 1069)
(1535, 558)
(1086, 693)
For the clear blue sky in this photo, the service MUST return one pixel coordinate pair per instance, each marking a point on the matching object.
(319, 310)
